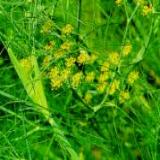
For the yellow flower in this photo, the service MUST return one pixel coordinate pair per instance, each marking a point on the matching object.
(92, 59)
(65, 74)
(66, 46)
(126, 49)
(124, 95)
(114, 58)
(76, 79)
(133, 76)
(88, 97)
(90, 77)
(47, 60)
(70, 62)
(54, 72)
(140, 2)
(47, 27)
(101, 87)
(58, 54)
(103, 77)
(114, 86)
(147, 10)
(56, 83)
(83, 57)
(49, 46)
(118, 2)
(67, 29)
(105, 66)
(26, 63)
(55, 78)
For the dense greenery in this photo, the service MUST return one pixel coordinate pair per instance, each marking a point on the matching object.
(79, 79)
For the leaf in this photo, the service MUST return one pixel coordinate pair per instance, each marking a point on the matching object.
(33, 86)
(73, 154)
(139, 56)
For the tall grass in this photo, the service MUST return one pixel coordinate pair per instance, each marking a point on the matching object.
(101, 104)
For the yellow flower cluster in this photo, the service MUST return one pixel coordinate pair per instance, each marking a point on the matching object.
(57, 78)
(147, 10)
(68, 70)
(103, 77)
(66, 46)
(126, 49)
(88, 97)
(76, 79)
(56, 81)
(132, 77)
(54, 72)
(114, 86)
(47, 59)
(92, 58)
(105, 66)
(90, 77)
(114, 58)
(140, 2)
(47, 26)
(49, 46)
(66, 73)
(26, 64)
(124, 95)
(67, 29)
(83, 58)
(70, 62)
(58, 54)
(101, 87)
(118, 2)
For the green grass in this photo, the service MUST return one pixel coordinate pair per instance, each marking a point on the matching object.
(39, 120)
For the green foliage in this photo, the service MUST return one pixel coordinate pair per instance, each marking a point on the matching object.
(79, 79)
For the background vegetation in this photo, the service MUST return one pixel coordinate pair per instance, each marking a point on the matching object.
(112, 116)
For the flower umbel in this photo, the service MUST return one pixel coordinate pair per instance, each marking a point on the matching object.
(67, 29)
(126, 49)
(92, 58)
(88, 97)
(114, 58)
(47, 26)
(101, 87)
(65, 74)
(26, 64)
(124, 96)
(56, 83)
(147, 10)
(49, 46)
(118, 2)
(66, 46)
(83, 57)
(114, 86)
(140, 2)
(54, 72)
(133, 76)
(103, 77)
(105, 66)
(70, 61)
(47, 59)
(59, 54)
(76, 79)
(90, 77)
